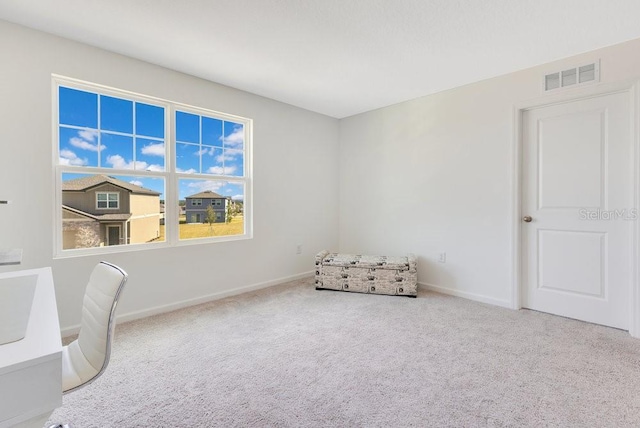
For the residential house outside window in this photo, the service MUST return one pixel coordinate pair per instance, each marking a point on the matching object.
(126, 163)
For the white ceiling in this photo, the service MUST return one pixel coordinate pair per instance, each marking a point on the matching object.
(338, 57)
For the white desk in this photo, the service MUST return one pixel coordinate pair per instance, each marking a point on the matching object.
(31, 368)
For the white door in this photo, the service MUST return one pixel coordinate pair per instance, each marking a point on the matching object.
(577, 191)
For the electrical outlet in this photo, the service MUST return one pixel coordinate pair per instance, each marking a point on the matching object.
(299, 249)
(442, 257)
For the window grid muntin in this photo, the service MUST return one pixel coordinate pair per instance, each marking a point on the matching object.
(99, 131)
(223, 147)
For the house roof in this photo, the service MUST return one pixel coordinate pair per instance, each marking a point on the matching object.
(84, 183)
(99, 217)
(207, 194)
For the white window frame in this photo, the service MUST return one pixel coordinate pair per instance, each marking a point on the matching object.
(196, 202)
(169, 175)
(117, 200)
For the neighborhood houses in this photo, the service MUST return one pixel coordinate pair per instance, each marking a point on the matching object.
(99, 210)
(196, 207)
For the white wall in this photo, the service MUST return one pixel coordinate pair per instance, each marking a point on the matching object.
(295, 179)
(434, 175)
(424, 176)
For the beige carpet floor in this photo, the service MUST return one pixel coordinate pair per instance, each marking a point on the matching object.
(291, 356)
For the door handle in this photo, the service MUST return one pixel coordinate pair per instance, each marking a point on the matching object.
(527, 219)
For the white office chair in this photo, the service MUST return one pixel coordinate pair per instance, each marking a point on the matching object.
(87, 357)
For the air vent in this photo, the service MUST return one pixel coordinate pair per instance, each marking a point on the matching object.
(570, 77)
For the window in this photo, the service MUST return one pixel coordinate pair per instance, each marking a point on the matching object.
(211, 153)
(209, 145)
(107, 200)
(97, 130)
(125, 151)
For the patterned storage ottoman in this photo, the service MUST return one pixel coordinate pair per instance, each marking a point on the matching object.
(367, 274)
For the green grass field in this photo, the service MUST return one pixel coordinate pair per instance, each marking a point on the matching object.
(199, 230)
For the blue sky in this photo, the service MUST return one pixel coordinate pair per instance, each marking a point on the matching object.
(209, 146)
(99, 130)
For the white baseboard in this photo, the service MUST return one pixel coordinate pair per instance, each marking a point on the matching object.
(130, 316)
(467, 295)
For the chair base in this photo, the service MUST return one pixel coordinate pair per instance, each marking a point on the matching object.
(60, 426)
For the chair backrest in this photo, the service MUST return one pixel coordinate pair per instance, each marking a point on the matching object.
(98, 315)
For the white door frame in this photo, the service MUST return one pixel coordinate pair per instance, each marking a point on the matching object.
(633, 89)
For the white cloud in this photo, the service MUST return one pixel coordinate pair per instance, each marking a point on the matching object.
(137, 182)
(186, 171)
(205, 151)
(236, 138)
(229, 155)
(88, 134)
(84, 144)
(228, 170)
(67, 157)
(118, 162)
(237, 197)
(153, 149)
(202, 185)
(222, 158)
(153, 167)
